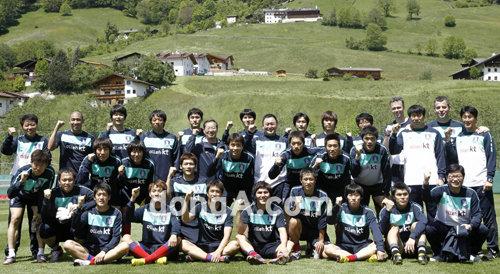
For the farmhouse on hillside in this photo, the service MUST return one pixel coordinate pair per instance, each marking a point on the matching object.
(202, 63)
(117, 89)
(489, 69)
(183, 63)
(9, 100)
(272, 16)
(27, 71)
(220, 62)
(375, 73)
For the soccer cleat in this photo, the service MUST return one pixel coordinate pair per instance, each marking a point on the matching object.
(162, 260)
(295, 256)
(372, 259)
(474, 259)
(342, 259)
(397, 259)
(490, 255)
(41, 259)
(9, 260)
(224, 259)
(436, 259)
(137, 262)
(79, 262)
(188, 259)
(55, 254)
(256, 259)
(422, 259)
(280, 260)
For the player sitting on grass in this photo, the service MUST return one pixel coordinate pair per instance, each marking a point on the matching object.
(404, 225)
(215, 221)
(26, 189)
(310, 223)
(58, 208)
(159, 227)
(262, 229)
(353, 224)
(97, 231)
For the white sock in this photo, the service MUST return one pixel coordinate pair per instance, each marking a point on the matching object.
(41, 250)
(12, 252)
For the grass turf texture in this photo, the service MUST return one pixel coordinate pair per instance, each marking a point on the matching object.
(237, 265)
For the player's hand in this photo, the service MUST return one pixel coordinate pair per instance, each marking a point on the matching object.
(447, 134)
(482, 129)
(138, 131)
(313, 137)
(47, 193)
(215, 256)
(389, 205)
(91, 157)
(381, 256)
(338, 201)
(467, 226)
(252, 128)
(396, 128)
(121, 170)
(229, 125)
(196, 131)
(109, 126)
(59, 124)
(359, 149)
(38, 219)
(189, 194)
(317, 162)
(410, 246)
(81, 201)
(440, 182)
(135, 193)
(220, 151)
(288, 130)
(409, 127)
(388, 131)
(24, 177)
(488, 186)
(427, 176)
(348, 134)
(172, 171)
(172, 241)
(281, 249)
(319, 247)
(180, 134)
(278, 160)
(298, 200)
(11, 131)
(99, 258)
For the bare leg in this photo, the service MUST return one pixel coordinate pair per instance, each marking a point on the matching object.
(393, 237)
(194, 251)
(127, 238)
(244, 243)
(289, 246)
(231, 248)
(76, 250)
(16, 215)
(116, 253)
(295, 229)
(367, 252)
(333, 251)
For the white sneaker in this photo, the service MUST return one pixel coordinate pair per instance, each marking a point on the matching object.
(475, 259)
(79, 262)
(296, 255)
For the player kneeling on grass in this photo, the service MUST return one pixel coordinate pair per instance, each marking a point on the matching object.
(97, 231)
(262, 229)
(58, 207)
(310, 223)
(159, 227)
(26, 189)
(215, 220)
(404, 225)
(354, 222)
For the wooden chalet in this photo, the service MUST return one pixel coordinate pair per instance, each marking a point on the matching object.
(117, 89)
(375, 73)
(489, 69)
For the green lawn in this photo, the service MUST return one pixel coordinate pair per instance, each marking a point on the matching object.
(238, 265)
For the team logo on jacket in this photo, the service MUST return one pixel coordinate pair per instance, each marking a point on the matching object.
(109, 221)
(107, 171)
(464, 202)
(360, 221)
(128, 138)
(167, 142)
(270, 218)
(427, 136)
(307, 161)
(164, 218)
(375, 159)
(241, 167)
(409, 218)
(142, 173)
(339, 168)
(197, 188)
(313, 206)
(218, 217)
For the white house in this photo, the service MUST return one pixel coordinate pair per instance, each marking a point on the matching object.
(202, 63)
(183, 63)
(220, 62)
(117, 89)
(489, 68)
(272, 16)
(9, 100)
(231, 19)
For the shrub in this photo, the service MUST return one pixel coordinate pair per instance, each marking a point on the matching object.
(449, 20)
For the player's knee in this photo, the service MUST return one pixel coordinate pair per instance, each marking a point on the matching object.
(68, 245)
(240, 238)
(127, 238)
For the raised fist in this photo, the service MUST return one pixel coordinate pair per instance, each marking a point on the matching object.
(196, 131)
(252, 128)
(135, 193)
(109, 126)
(81, 201)
(172, 171)
(338, 201)
(11, 131)
(388, 204)
(138, 131)
(47, 193)
(121, 170)
(59, 124)
(396, 128)
(229, 125)
(278, 160)
(288, 130)
(24, 177)
(91, 157)
(219, 152)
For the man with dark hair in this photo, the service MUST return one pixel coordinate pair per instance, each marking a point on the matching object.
(74, 143)
(195, 117)
(162, 146)
(329, 122)
(247, 117)
(334, 167)
(476, 152)
(363, 120)
(404, 225)
(99, 228)
(424, 152)
(301, 122)
(456, 234)
(370, 167)
(58, 208)
(117, 133)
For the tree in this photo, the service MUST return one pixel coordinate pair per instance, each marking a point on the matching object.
(165, 27)
(330, 20)
(426, 74)
(469, 54)
(76, 57)
(375, 16)
(431, 47)
(65, 9)
(8, 55)
(151, 69)
(84, 74)
(412, 7)
(18, 84)
(375, 39)
(325, 75)
(387, 6)
(453, 47)
(51, 5)
(110, 32)
(449, 20)
(29, 49)
(58, 76)
(474, 73)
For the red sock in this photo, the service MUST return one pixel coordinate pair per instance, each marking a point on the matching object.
(162, 251)
(92, 261)
(352, 258)
(138, 251)
(296, 247)
(126, 228)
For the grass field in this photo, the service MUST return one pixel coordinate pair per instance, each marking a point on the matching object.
(238, 265)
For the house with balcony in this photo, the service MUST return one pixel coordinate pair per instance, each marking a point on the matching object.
(489, 69)
(182, 63)
(118, 89)
(9, 100)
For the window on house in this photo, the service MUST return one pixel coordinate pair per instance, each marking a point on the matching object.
(489, 70)
(106, 92)
(0, 105)
(133, 91)
(495, 69)
(128, 82)
(11, 102)
(489, 77)
(117, 82)
(172, 63)
(128, 91)
(496, 78)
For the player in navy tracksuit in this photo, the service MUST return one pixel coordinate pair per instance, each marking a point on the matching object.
(182, 183)
(235, 167)
(160, 227)
(308, 221)
(99, 228)
(363, 120)
(294, 158)
(57, 210)
(23, 146)
(301, 122)
(261, 233)
(403, 224)
(247, 117)
(74, 144)
(206, 149)
(117, 133)
(162, 146)
(195, 117)
(456, 231)
(101, 167)
(215, 220)
(353, 222)
(370, 167)
(329, 123)
(26, 190)
(333, 166)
